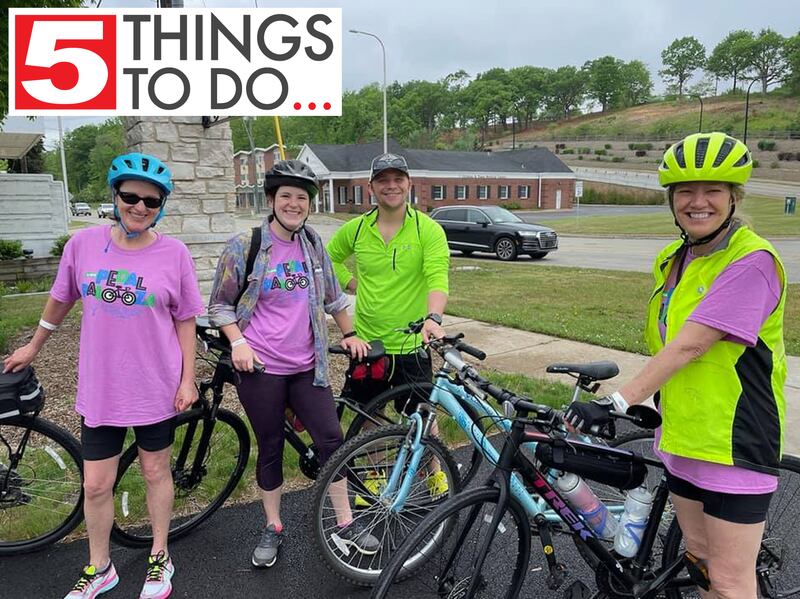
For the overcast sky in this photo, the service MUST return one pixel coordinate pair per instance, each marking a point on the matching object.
(428, 39)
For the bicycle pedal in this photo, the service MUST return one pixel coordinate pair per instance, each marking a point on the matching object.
(578, 590)
(556, 577)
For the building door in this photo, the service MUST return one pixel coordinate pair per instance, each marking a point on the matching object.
(558, 199)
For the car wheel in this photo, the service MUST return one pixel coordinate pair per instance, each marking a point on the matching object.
(505, 249)
(538, 255)
(466, 252)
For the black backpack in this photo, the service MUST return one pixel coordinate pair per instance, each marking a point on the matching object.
(20, 393)
(255, 245)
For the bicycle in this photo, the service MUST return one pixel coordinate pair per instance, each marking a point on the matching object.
(488, 554)
(386, 468)
(207, 438)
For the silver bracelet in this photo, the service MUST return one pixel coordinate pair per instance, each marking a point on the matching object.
(238, 342)
(48, 325)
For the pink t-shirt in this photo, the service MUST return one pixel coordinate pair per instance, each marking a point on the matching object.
(280, 330)
(130, 361)
(739, 301)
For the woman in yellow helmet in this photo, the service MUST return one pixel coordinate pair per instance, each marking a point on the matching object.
(715, 329)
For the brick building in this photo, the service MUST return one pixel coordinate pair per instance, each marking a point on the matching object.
(531, 178)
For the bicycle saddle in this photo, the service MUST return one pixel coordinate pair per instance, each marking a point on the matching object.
(594, 371)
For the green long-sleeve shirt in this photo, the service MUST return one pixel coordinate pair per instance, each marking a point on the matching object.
(395, 278)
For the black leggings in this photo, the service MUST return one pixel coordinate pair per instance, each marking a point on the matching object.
(265, 398)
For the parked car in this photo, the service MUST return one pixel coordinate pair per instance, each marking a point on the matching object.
(80, 209)
(494, 229)
(105, 211)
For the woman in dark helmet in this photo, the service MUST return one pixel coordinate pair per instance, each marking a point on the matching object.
(715, 329)
(276, 319)
(136, 367)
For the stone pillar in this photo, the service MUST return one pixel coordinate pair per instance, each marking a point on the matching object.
(200, 210)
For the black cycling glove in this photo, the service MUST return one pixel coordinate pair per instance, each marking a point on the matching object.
(590, 417)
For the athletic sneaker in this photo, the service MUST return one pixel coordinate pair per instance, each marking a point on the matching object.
(158, 583)
(375, 483)
(266, 552)
(437, 485)
(357, 536)
(93, 583)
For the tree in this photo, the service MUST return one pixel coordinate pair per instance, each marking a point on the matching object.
(605, 83)
(529, 91)
(4, 39)
(682, 58)
(636, 83)
(793, 61)
(32, 162)
(731, 56)
(768, 57)
(567, 89)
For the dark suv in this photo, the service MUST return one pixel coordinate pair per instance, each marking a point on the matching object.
(494, 229)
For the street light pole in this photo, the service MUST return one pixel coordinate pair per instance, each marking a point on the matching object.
(747, 109)
(383, 49)
(700, 127)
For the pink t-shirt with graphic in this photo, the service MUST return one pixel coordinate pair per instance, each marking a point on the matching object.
(130, 361)
(280, 330)
(739, 301)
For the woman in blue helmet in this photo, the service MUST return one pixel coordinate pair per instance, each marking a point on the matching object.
(140, 297)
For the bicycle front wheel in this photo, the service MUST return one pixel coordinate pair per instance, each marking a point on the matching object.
(202, 483)
(451, 570)
(778, 563)
(389, 408)
(41, 484)
(367, 462)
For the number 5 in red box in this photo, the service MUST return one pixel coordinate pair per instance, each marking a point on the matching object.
(64, 62)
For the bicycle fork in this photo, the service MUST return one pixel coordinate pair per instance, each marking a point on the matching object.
(414, 446)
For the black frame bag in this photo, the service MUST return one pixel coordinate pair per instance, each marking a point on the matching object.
(616, 468)
(20, 393)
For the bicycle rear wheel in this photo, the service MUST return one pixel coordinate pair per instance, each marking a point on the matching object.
(197, 494)
(778, 565)
(383, 408)
(450, 569)
(41, 490)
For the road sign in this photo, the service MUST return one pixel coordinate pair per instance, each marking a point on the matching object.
(578, 189)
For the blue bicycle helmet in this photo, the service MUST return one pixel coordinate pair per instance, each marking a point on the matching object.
(142, 167)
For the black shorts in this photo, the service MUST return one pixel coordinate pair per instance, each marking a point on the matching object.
(103, 442)
(415, 367)
(731, 507)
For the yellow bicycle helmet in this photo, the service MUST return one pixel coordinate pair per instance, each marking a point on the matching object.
(706, 157)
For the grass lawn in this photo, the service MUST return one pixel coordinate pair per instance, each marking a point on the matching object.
(765, 214)
(602, 307)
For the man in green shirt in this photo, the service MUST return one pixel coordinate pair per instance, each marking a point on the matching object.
(402, 261)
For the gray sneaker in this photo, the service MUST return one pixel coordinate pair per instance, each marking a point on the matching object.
(266, 552)
(357, 536)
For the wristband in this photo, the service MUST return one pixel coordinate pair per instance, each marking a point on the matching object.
(238, 342)
(349, 334)
(619, 402)
(48, 325)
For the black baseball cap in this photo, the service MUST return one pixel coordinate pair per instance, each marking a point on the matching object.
(385, 162)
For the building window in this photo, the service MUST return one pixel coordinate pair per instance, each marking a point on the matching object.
(523, 191)
(342, 195)
(502, 192)
(483, 192)
(461, 192)
(357, 194)
(372, 200)
(276, 155)
(437, 192)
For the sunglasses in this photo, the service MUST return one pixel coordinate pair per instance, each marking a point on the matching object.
(132, 199)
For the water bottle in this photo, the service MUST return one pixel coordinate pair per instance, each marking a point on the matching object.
(583, 500)
(633, 522)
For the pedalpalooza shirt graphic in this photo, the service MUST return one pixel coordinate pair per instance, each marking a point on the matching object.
(175, 62)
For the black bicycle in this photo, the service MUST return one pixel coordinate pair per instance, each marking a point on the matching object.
(488, 549)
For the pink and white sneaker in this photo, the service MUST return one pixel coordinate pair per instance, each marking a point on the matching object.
(93, 583)
(157, 584)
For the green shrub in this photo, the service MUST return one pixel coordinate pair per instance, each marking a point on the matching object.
(511, 205)
(756, 163)
(618, 159)
(600, 152)
(627, 196)
(10, 249)
(569, 151)
(580, 157)
(608, 146)
(645, 146)
(58, 246)
(766, 145)
(584, 150)
(774, 164)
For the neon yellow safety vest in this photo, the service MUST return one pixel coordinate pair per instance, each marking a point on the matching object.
(727, 406)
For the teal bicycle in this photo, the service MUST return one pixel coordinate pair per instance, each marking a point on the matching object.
(398, 474)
